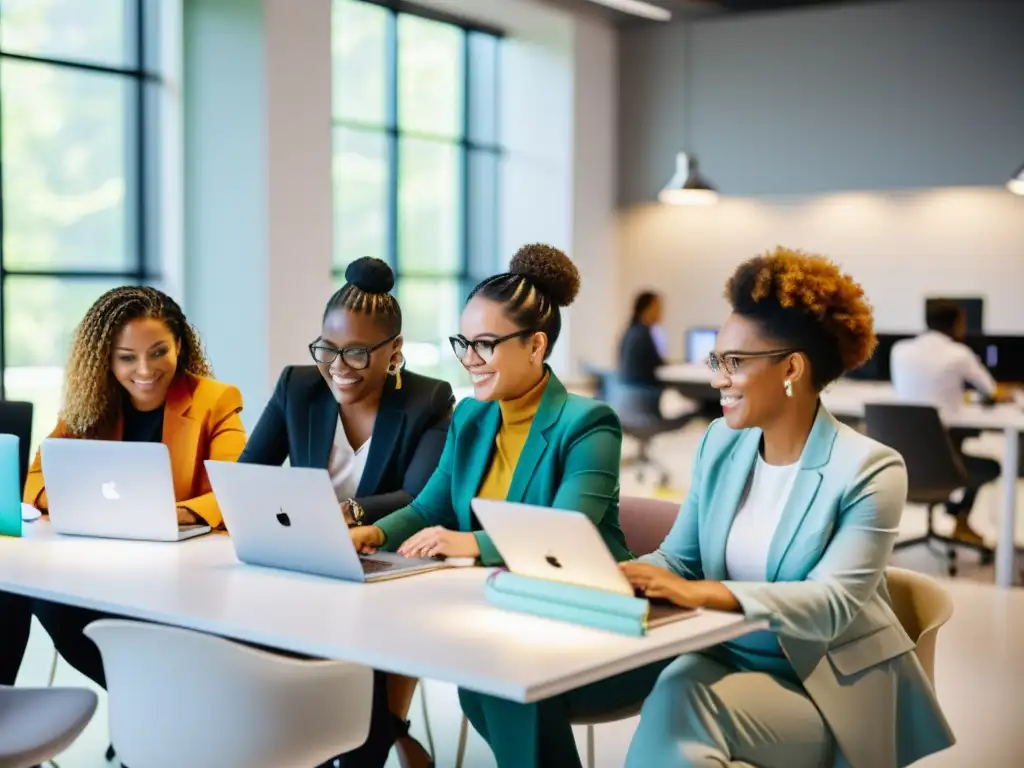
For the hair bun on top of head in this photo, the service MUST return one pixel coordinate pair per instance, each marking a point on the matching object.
(370, 275)
(550, 270)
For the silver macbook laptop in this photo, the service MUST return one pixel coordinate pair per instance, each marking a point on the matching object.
(559, 545)
(112, 489)
(289, 517)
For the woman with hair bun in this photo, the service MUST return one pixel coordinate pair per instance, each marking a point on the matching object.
(523, 438)
(376, 428)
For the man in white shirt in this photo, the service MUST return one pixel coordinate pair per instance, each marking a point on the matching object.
(935, 368)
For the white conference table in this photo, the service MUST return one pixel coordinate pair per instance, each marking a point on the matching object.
(436, 625)
(847, 398)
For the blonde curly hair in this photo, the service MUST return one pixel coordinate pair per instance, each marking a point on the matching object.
(92, 396)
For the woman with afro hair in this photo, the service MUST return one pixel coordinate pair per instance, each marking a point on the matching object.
(791, 517)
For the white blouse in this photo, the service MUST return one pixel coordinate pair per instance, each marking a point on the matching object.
(346, 464)
(765, 497)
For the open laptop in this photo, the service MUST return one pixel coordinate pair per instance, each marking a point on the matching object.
(563, 546)
(289, 518)
(112, 489)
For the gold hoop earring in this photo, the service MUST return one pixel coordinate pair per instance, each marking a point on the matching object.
(788, 386)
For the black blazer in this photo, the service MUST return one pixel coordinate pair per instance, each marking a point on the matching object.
(408, 435)
(639, 358)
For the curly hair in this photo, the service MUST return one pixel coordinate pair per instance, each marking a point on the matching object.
(92, 397)
(367, 282)
(806, 302)
(540, 279)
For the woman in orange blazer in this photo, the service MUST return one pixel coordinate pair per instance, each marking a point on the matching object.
(136, 373)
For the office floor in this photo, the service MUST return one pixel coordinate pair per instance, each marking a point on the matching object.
(980, 666)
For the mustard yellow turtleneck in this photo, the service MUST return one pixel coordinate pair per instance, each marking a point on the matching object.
(516, 420)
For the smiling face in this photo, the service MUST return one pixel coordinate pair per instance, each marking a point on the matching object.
(514, 366)
(753, 392)
(144, 360)
(349, 380)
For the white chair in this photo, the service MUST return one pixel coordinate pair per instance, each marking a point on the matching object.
(36, 724)
(178, 697)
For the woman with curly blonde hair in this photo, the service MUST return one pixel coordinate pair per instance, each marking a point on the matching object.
(137, 373)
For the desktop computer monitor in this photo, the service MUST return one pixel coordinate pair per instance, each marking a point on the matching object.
(700, 342)
(973, 307)
(878, 367)
(1002, 355)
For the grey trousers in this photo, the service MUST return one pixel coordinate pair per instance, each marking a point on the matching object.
(702, 714)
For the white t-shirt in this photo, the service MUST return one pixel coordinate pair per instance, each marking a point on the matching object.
(933, 369)
(765, 497)
(346, 464)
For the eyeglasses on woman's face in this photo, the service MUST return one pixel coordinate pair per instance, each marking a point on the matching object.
(356, 358)
(484, 348)
(731, 362)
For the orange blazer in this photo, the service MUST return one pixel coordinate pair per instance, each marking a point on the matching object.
(201, 422)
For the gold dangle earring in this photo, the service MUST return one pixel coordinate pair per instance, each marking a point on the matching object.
(395, 369)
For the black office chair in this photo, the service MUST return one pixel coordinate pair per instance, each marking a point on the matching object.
(16, 419)
(639, 409)
(934, 469)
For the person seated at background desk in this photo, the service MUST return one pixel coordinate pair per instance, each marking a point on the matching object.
(523, 438)
(640, 350)
(792, 517)
(136, 372)
(377, 429)
(935, 368)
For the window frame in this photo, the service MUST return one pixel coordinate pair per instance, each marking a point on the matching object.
(140, 151)
(464, 145)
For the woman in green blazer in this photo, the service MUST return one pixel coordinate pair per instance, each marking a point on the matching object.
(522, 438)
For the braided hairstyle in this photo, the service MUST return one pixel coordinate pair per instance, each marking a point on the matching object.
(367, 282)
(92, 397)
(540, 280)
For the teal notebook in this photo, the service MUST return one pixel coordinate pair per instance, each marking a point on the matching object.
(566, 602)
(10, 486)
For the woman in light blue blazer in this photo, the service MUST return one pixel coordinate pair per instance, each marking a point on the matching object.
(792, 517)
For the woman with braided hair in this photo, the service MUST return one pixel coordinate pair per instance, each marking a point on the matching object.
(377, 429)
(136, 373)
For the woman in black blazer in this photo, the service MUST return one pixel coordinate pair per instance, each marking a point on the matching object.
(377, 429)
(639, 356)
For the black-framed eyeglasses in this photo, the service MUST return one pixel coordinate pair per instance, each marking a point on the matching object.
(730, 361)
(356, 358)
(484, 348)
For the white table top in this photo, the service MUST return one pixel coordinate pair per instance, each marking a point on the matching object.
(436, 625)
(847, 397)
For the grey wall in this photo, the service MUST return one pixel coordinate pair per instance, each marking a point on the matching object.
(888, 95)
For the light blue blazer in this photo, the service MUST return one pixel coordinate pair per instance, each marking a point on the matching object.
(825, 592)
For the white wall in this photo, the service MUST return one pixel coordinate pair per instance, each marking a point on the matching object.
(902, 247)
(594, 325)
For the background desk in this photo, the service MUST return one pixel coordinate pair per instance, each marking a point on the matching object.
(847, 399)
(436, 625)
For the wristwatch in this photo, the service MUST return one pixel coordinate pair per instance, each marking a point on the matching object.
(358, 513)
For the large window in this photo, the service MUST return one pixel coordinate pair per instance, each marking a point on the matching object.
(74, 109)
(416, 162)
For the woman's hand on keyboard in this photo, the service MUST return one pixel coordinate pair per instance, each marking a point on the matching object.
(366, 538)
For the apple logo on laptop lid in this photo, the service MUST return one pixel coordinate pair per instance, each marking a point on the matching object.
(552, 561)
(109, 491)
(283, 519)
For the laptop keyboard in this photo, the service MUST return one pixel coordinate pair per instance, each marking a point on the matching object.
(375, 566)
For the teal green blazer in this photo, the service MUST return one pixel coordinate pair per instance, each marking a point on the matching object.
(824, 591)
(570, 461)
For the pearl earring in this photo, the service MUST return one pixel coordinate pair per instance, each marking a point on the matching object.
(788, 386)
